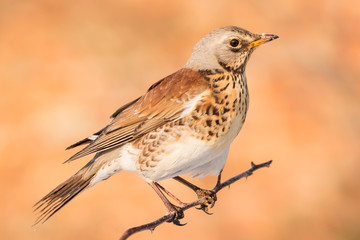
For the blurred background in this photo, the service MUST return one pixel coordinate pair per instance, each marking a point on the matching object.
(65, 66)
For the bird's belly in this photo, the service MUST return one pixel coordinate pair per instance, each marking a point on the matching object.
(189, 154)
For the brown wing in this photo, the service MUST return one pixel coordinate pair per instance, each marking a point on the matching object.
(163, 102)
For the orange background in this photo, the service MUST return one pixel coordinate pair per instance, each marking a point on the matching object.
(65, 66)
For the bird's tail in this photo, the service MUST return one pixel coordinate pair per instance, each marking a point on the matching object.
(62, 194)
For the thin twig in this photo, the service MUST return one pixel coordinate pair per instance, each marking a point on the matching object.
(245, 174)
(168, 217)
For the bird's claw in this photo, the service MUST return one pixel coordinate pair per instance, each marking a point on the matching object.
(177, 215)
(209, 199)
(205, 209)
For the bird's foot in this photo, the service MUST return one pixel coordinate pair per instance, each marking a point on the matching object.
(178, 214)
(209, 197)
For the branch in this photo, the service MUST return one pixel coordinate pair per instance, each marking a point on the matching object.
(168, 217)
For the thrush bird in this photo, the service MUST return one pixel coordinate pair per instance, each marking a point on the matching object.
(183, 124)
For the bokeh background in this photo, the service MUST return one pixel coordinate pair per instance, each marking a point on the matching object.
(65, 66)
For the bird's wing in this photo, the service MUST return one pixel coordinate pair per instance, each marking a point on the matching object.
(167, 100)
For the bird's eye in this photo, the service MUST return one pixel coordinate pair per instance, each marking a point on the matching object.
(234, 42)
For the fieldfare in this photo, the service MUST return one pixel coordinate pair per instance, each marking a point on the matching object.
(183, 124)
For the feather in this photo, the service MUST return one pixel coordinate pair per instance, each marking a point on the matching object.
(164, 101)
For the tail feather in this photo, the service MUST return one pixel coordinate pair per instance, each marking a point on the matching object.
(61, 195)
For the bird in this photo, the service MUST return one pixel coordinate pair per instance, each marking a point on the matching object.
(183, 124)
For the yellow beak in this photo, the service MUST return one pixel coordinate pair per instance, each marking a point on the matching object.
(264, 38)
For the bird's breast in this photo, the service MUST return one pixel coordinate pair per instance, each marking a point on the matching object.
(222, 113)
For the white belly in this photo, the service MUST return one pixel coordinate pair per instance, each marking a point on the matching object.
(194, 156)
(190, 156)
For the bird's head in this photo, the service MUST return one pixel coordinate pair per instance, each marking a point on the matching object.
(228, 47)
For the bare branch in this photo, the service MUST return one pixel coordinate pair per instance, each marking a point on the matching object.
(168, 217)
(245, 174)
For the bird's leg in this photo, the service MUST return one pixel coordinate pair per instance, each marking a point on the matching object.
(218, 182)
(169, 194)
(179, 214)
(187, 183)
(209, 195)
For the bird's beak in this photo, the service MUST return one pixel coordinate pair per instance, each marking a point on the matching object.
(263, 38)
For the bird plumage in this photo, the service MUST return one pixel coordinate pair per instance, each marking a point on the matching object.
(165, 101)
(183, 124)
